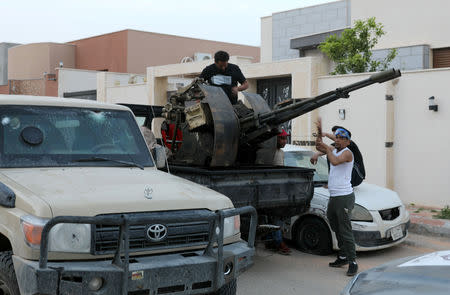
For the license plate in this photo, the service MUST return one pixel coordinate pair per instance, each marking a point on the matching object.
(397, 233)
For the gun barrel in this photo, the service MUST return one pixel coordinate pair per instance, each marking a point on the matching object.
(296, 109)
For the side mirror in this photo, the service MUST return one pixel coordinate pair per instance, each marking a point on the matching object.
(159, 154)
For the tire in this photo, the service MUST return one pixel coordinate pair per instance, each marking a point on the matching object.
(313, 236)
(228, 289)
(8, 281)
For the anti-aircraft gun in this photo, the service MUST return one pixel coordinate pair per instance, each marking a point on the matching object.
(202, 128)
(230, 148)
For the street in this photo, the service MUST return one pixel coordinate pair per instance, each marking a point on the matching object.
(302, 273)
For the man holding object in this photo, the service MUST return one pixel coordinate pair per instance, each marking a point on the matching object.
(342, 198)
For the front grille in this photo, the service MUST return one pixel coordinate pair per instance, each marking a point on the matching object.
(105, 238)
(390, 214)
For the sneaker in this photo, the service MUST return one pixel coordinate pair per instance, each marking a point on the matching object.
(338, 262)
(284, 249)
(352, 269)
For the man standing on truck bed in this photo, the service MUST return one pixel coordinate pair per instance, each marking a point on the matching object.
(225, 75)
(342, 198)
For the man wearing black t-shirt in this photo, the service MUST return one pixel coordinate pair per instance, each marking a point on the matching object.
(225, 75)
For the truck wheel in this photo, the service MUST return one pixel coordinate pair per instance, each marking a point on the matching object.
(228, 289)
(312, 236)
(8, 281)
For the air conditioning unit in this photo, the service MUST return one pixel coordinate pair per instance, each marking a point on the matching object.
(199, 56)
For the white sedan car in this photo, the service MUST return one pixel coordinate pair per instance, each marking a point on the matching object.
(379, 219)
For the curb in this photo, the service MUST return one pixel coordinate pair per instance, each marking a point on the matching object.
(430, 227)
(431, 243)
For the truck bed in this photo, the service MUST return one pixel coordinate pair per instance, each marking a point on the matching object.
(278, 191)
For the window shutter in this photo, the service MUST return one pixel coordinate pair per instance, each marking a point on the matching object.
(441, 58)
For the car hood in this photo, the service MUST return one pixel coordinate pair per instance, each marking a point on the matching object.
(370, 196)
(425, 274)
(101, 190)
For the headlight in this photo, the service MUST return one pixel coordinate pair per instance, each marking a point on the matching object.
(64, 237)
(70, 237)
(231, 226)
(360, 213)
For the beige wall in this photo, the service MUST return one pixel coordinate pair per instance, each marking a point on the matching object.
(122, 88)
(266, 39)
(407, 22)
(169, 49)
(365, 118)
(31, 61)
(422, 139)
(72, 80)
(418, 167)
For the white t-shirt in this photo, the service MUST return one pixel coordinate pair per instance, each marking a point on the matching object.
(278, 159)
(339, 179)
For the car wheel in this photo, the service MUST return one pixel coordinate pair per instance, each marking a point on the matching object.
(8, 281)
(312, 236)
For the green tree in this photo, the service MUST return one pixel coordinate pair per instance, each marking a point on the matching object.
(352, 51)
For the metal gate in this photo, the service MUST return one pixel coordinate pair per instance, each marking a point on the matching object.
(274, 91)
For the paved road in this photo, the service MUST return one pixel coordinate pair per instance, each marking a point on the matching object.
(302, 273)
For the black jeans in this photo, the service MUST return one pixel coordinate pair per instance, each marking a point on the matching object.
(339, 215)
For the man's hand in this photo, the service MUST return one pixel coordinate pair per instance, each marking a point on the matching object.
(319, 127)
(314, 158)
(234, 90)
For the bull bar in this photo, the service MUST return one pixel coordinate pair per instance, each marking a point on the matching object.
(216, 234)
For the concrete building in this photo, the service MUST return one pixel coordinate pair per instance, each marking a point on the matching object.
(33, 68)
(414, 28)
(4, 85)
(132, 51)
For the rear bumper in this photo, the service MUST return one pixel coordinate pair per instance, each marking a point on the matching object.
(181, 273)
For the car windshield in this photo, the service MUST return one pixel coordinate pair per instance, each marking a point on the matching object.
(301, 159)
(35, 136)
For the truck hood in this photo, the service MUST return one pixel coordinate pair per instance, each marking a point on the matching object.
(93, 191)
(370, 196)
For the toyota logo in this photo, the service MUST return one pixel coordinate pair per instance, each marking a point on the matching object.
(157, 232)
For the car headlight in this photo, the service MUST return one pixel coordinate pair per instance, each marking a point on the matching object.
(63, 237)
(231, 226)
(360, 213)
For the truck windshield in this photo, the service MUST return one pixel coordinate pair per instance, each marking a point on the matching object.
(35, 136)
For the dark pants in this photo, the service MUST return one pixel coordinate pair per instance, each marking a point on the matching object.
(339, 215)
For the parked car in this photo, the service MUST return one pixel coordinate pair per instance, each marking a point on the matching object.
(426, 274)
(379, 219)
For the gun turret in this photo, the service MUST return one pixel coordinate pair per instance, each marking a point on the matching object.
(251, 127)
(202, 128)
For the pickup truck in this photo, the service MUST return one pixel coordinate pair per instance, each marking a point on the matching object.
(84, 209)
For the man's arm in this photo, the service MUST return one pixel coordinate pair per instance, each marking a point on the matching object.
(243, 86)
(346, 156)
(205, 75)
(330, 136)
(315, 157)
(242, 80)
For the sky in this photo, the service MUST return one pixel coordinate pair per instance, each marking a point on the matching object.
(234, 21)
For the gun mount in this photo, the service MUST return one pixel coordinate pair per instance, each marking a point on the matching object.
(202, 127)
